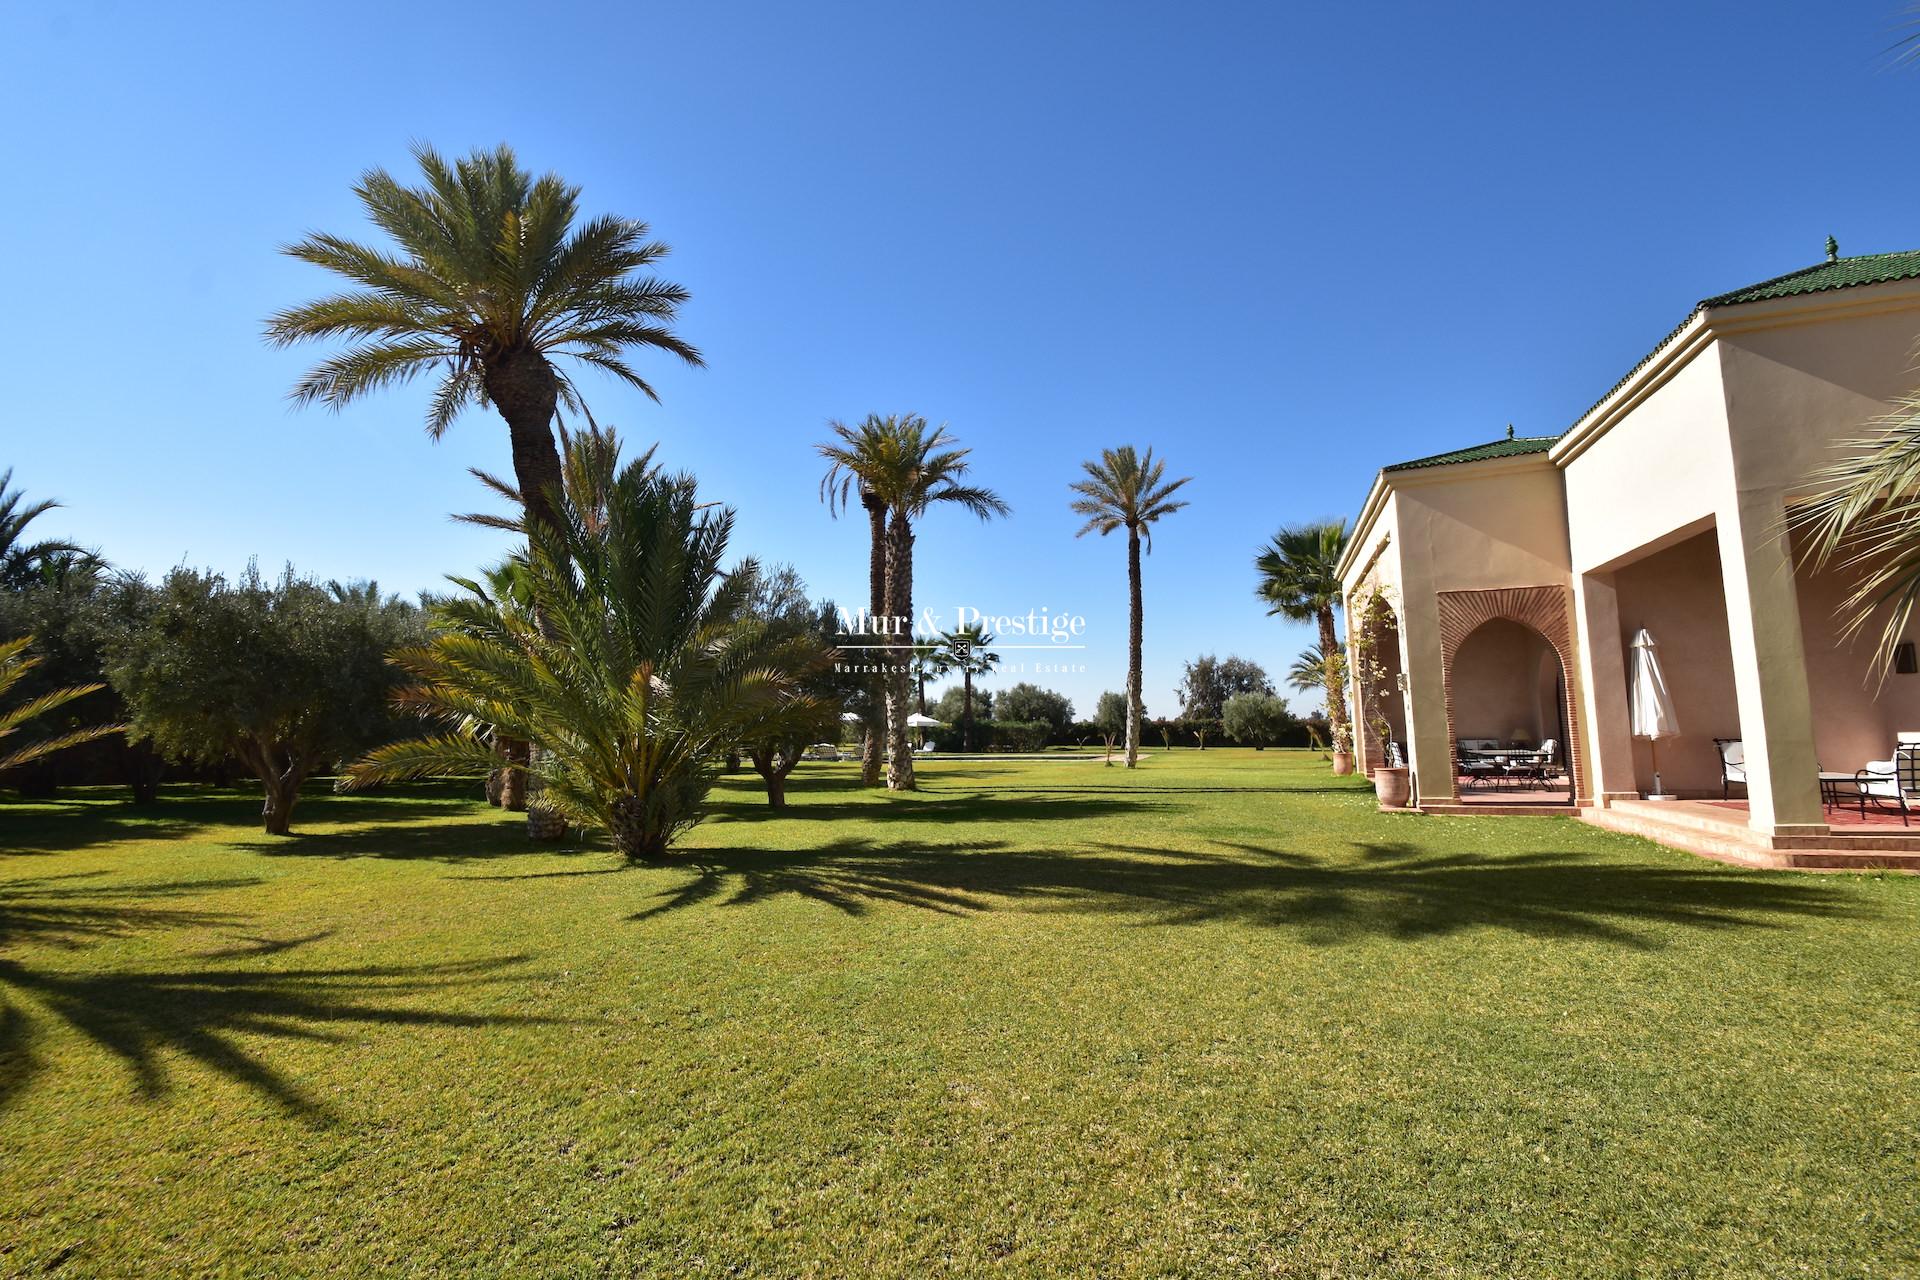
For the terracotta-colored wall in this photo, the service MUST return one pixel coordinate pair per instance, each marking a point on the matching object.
(1676, 595)
(1505, 678)
(1855, 715)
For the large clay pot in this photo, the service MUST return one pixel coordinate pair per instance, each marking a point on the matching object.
(1342, 763)
(1391, 788)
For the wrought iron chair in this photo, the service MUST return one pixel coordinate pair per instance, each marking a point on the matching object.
(1896, 780)
(1733, 764)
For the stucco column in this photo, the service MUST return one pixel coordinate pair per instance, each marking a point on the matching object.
(1769, 667)
(1429, 748)
(1603, 689)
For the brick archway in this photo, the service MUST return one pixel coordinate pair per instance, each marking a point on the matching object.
(1547, 610)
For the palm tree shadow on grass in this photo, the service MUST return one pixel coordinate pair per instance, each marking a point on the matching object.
(203, 1012)
(1394, 891)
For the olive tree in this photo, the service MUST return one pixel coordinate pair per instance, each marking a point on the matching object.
(1256, 719)
(285, 676)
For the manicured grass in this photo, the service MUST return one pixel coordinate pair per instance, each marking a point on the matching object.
(1215, 1017)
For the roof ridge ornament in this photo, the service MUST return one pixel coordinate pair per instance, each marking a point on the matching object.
(1833, 249)
(1509, 431)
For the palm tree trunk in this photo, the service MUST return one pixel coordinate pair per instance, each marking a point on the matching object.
(1330, 674)
(899, 653)
(522, 386)
(1133, 647)
(966, 708)
(876, 607)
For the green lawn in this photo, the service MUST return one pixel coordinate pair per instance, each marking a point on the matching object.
(1215, 1017)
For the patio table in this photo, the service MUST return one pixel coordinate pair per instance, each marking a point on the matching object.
(1830, 784)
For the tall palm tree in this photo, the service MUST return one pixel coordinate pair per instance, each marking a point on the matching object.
(965, 650)
(1300, 580)
(854, 454)
(911, 468)
(21, 561)
(15, 663)
(1124, 490)
(637, 668)
(486, 283)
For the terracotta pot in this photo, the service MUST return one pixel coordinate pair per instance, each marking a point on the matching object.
(1391, 788)
(1342, 763)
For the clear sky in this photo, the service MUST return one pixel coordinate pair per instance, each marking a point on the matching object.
(1281, 244)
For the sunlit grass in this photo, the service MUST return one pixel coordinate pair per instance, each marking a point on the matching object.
(1214, 1017)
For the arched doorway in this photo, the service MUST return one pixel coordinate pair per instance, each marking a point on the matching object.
(1511, 714)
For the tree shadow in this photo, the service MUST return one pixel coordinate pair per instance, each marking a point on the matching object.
(1390, 890)
(947, 806)
(140, 1016)
(205, 1010)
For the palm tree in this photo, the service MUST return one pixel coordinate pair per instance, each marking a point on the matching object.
(487, 282)
(1126, 491)
(1300, 580)
(854, 454)
(14, 665)
(910, 467)
(965, 650)
(1308, 674)
(22, 562)
(926, 665)
(636, 669)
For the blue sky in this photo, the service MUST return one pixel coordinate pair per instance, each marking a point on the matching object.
(1281, 244)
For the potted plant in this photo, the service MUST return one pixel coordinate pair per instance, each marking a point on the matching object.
(1392, 786)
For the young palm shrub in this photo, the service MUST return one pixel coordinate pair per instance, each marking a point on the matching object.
(633, 665)
(15, 663)
(1124, 490)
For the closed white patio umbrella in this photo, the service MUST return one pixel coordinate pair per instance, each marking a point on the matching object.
(1650, 706)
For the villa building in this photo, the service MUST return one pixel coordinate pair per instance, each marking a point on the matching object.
(1511, 577)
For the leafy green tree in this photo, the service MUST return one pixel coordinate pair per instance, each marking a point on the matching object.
(1300, 580)
(1029, 702)
(803, 635)
(71, 616)
(284, 676)
(638, 671)
(1256, 720)
(959, 705)
(910, 468)
(1126, 491)
(964, 649)
(1207, 682)
(22, 562)
(1110, 718)
(15, 663)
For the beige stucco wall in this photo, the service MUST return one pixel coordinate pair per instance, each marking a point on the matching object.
(1659, 473)
(1793, 390)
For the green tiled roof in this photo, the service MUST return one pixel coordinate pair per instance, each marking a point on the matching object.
(1839, 273)
(1835, 273)
(1507, 447)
